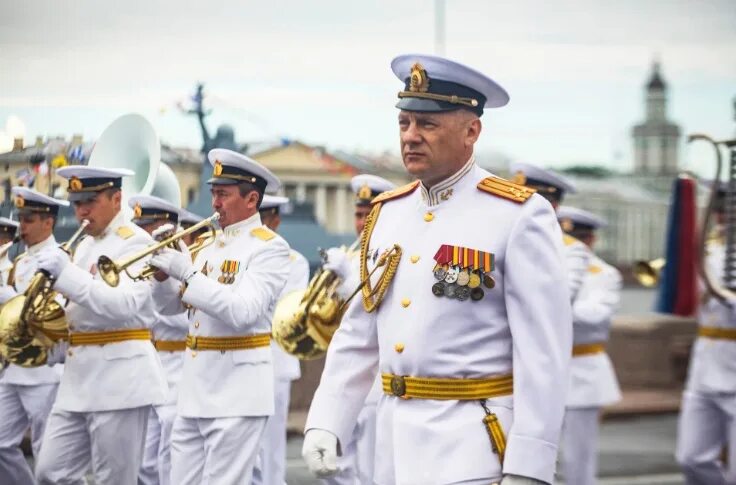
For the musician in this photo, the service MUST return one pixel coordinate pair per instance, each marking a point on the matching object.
(356, 463)
(593, 382)
(707, 419)
(271, 468)
(169, 338)
(112, 374)
(8, 230)
(226, 393)
(472, 335)
(553, 187)
(27, 393)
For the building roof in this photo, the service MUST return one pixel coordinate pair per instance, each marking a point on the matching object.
(656, 83)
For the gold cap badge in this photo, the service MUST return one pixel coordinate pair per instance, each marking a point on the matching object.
(20, 202)
(418, 81)
(75, 185)
(218, 168)
(519, 178)
(566, 224)
(364, 192)
(137, 211)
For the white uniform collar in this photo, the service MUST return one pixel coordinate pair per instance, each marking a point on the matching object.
(443, 190)
(234, 230)
(38, 247)
(116, 222)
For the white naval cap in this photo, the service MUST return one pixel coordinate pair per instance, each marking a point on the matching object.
(273, 202)
(367, 186)
(28, 200)
(437, 84)
(543, 179)
(8, 226)
(189, 218)
(574, 219)
(149, 208)
(232, 167)
(85, 182)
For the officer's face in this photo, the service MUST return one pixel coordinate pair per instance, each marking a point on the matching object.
(99, 210)
(361, 212)
(34, 228)
(436, 145)
(233, 207)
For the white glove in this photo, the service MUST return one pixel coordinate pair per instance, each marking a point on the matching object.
(176, 264)
(518, 480)
(57, 353)
(337, 262)
(53, 260)
(162, 232)
(320, 452)
(6, 293)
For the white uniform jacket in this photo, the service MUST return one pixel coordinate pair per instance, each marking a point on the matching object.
(713, 361)
(5, 266)
(286, 366)
(120, 375)
(577, 261)
(25, 268)
(240, 382)
(522, 325)
(593, 381)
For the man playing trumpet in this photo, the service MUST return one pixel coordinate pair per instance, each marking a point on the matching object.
(226, 393)
(112, 374)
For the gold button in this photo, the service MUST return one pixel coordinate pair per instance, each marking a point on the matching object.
(414, 259)
(405, 302)
(196, 324)
(399, 347)
(69, 352)
(428, 216)
(194, 354)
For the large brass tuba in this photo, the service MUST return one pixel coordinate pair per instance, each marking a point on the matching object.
(30, 323)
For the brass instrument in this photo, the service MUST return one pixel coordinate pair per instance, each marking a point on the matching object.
(647, 273)
(726, 291)
(30, 323)
(202, 241)
(110, 270)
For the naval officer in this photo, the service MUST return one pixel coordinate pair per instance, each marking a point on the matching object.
(593, 382)
(465, 318)
(227, 390)
(112, 374)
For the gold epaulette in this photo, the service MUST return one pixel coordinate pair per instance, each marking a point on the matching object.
(594, 268)
(262, 233)
(396, 193)
(506, 189)
(125, 232)
(568, 240)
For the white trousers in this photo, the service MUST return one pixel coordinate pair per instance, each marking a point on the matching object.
(270, 468)
(22, 407)
(110, 441)
(358, 456)
(215, 451)
(156, 465)
(705, 426)
(580, 445)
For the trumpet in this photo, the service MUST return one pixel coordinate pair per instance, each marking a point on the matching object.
(110, 270)
(647, 273)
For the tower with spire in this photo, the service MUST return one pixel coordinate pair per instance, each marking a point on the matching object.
(656, 140)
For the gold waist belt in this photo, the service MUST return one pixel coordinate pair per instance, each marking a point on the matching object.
(109, 337)
(588, 349)
(447, 389)
(717, 333)
(170, 345)
(195, 342)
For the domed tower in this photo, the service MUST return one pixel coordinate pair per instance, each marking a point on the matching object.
(656, 140)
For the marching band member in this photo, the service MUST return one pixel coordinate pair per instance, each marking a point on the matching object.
(8, 230)
(356, 463)
(169, 338)
(466, 320)
(593, 382)
(226, 393)
(271, 469)
(27, 394)
(112, 374)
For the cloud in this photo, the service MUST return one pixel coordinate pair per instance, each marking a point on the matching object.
(14, 128)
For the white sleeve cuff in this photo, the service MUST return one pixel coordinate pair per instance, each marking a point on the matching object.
(530, 457)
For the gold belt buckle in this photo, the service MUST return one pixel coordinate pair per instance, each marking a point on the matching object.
(194, 343)
(398, 386)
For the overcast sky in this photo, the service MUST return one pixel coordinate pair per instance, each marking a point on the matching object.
(318, 70)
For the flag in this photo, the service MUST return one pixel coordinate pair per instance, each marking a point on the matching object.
(25, 177)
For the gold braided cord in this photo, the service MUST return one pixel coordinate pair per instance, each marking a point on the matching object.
(453, 99)
(372, 297)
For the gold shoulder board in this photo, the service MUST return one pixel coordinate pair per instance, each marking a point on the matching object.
(506, 189)
(262, 233)
(125, 232)
(568, 240)
(396, 193)
(593, 268)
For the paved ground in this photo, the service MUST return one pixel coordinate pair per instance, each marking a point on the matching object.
(633, 451)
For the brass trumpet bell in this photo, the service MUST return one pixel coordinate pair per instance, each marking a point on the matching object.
(647, 273)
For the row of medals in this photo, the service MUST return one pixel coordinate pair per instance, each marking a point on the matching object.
(461, 283)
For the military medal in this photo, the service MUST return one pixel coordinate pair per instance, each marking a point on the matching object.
(460, 272)
(462, 293)
(474, 280)
(228, 270)
(440, 273)
(450, 291)
(488, 281)
(438, 289)
(463, 278)
(451, 276)
(476, 294)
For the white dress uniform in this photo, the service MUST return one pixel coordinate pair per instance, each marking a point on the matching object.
(271, 467)
(106, 387)
(707, 419)
(226, 396)
(10, 227)
(522, 326)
